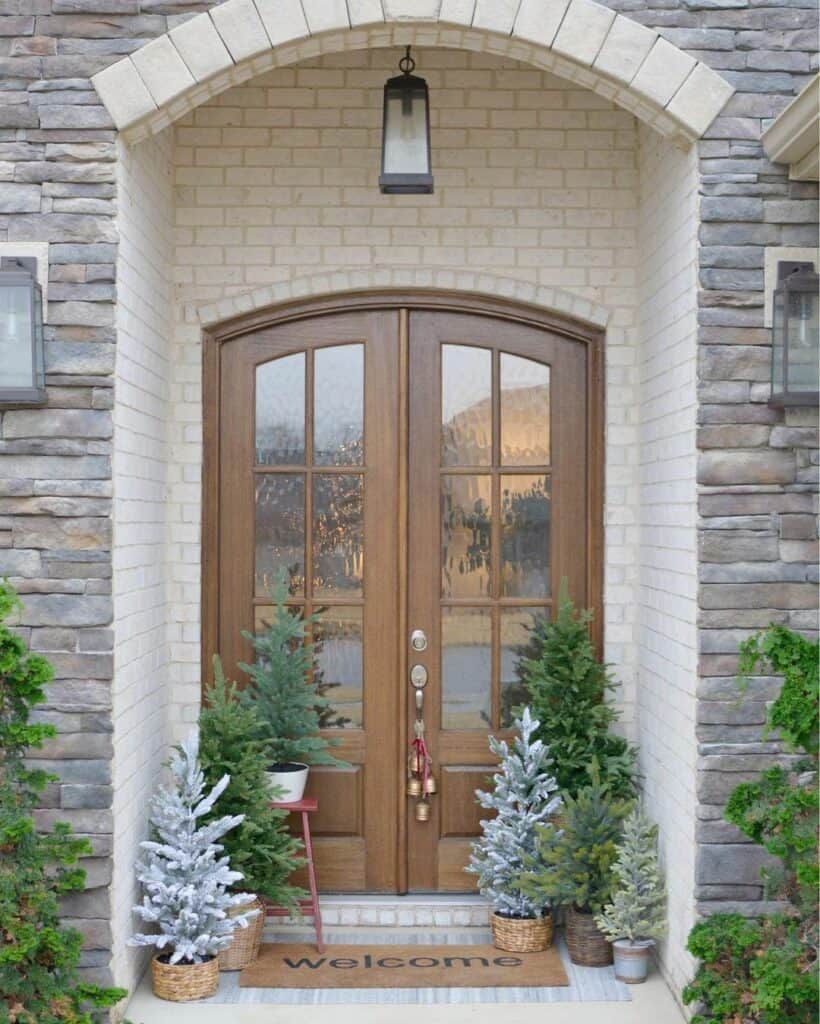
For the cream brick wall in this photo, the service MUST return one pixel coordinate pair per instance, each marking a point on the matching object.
(667, 593)
(536, 180)
(142, 458)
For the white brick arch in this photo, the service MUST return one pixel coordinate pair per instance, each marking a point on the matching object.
(369, 279)
(579, 40)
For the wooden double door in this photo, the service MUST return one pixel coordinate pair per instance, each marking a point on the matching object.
(426, 476)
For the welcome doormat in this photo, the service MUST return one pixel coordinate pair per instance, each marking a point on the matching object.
(365, 966)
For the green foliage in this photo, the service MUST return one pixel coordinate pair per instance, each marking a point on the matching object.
(282, 690)
(764, 971)
(638, 908)
(760, 970)
(260, 846)
(796, 712)
(780, 813)
(573, 862)
(39, 979)
(567, 687)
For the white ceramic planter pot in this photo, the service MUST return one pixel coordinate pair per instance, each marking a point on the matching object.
(290, 778)
(631, 961)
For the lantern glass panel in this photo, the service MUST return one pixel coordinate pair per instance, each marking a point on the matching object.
(405, 131)
(803, 372)
(778, 337)
(17, 368)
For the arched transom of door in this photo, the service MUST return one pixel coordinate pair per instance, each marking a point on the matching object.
(424, 474)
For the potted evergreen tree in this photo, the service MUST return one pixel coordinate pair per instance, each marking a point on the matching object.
(186, 883)
(285, 695)
(637, 914)
(524, 795)
(260, 847)
(572, 866)
(567, 687)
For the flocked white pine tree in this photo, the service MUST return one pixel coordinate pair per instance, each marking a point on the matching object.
(524, 796)
(184, 876)
(638, 908)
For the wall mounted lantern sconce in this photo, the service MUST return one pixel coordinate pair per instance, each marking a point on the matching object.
(796, 335)
(406, 133)
(22, 372)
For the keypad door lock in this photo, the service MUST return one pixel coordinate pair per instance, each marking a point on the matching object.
(418, 640)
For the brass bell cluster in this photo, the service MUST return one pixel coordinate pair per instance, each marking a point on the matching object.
(421, 783)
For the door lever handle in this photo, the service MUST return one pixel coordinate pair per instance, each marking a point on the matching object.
(419, 700)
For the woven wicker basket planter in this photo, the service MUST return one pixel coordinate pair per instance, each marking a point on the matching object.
(245, 943)
(522, 934)
(180, 983)
(587, 946)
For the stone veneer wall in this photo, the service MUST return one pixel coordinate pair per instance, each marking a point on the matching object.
(757, 467)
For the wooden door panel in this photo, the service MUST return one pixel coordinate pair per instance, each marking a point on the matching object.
(345, 571)
(498, 499)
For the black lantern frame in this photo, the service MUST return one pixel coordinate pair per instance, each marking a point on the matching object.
(408, 89)
(20, 274)
(796, 336)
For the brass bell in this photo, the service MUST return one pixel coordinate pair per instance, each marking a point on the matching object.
(414, 786)
(430, 785)
(415, 763)
(422, 811)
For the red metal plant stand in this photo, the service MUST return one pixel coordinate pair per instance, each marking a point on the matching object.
(305, 807)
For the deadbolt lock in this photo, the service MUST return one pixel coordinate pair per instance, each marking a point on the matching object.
(418, 640)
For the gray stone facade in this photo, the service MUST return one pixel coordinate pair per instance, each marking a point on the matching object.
(758, 466)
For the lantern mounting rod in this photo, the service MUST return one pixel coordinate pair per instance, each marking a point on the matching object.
(407, 65)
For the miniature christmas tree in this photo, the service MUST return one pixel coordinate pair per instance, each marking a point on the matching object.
(573, 865)
(260, 846)
(185, 876)
(638, 908)
(524, 797)
(39, 957)
(282, 690)
(567, 687)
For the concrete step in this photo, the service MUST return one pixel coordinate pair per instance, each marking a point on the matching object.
(412, 911)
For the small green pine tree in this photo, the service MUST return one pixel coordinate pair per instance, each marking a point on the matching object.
(39, 978)
(638, 908)
(261, 846)
(573, 862)
(567, 687)
(282, 689)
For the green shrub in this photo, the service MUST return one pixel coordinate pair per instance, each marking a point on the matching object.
(764, 970)
(39, 977)
(567, 687)
(260, 846)
(754, 970)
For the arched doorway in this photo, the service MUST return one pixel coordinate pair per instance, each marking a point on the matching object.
(415, 463)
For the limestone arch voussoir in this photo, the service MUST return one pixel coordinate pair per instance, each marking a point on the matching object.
(579, 40)
(384, 278)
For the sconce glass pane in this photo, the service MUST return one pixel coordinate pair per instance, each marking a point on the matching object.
(778, 334)
(804, 331)
(405, 132)
(17, 368)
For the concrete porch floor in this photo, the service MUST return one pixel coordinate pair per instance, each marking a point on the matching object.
(652, 1003)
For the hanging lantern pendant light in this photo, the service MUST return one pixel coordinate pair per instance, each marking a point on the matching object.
(406, 133)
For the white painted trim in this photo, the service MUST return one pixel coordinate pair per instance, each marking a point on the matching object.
(585, 43)
(793, 137)
(337, 282)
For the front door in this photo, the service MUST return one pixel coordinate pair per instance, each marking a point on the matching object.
(417, 472)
